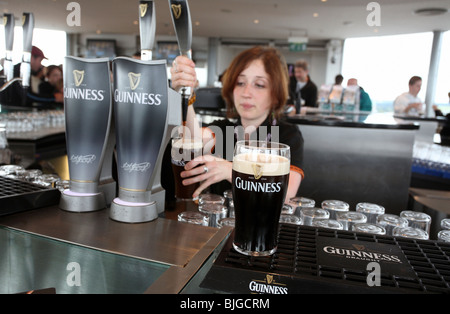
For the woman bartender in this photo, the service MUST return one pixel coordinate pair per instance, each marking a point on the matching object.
(255, 89)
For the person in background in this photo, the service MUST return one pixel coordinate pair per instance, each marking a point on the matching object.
(365, 103)
(302, 91)
(409, 103)
(52, 86)
(37, 77)
(438, 111)
(338, 79)
(445, 130)
(255, 89)
(137, 55)
(37, 69)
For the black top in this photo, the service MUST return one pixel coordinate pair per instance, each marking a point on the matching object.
(46, 89)
(228, 133)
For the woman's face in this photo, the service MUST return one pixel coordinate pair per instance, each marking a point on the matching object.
(54, 77)
(252, 97)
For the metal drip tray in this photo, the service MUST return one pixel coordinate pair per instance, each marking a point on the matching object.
(17, 196)
(317, 260)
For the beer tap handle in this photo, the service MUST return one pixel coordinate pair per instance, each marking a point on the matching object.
(25, 68)
(181, 19)
(147, 27)
(8, 21)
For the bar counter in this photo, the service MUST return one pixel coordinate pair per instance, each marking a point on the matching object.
(160, 256)
(355, 159)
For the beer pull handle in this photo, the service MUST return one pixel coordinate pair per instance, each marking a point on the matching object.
(147, 27)
(181, 19)
(25, 68)
(8, 21)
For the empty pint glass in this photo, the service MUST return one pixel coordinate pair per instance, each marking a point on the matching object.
(334, 207)
(369, 228)
(183, 151)
(417, 220)
(389, 222)
(350, 218)
(259, 183)
(372, 211)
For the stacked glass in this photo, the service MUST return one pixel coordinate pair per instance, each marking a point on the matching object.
(390, 221)
(372, 211)
(350, 218)
(334, 207)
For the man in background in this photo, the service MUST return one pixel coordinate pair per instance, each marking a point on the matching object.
(302, 91)
(408, 102)
(37, 69)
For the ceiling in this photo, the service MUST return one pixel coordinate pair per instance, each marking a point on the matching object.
(277, 19)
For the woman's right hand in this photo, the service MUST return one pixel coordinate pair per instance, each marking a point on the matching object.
(183, 73)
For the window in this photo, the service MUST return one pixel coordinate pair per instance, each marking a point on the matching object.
(443, 80)
(383, 65)
(51, 42)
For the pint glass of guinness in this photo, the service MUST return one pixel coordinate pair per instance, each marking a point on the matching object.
(184, 150)
(260, 179)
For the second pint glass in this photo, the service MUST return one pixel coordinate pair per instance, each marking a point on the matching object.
(184, 150)
(259, 183)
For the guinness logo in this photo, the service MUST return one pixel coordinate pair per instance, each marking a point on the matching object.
(78, 76)
(176, 9)
(267, 285)
(5, 20)
(135, 79)
(257, 171)
(143, 9)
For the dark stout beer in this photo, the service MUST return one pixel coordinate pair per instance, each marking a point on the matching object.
(259, 185)
(184, 150)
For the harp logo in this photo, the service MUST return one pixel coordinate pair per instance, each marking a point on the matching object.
(257, 171)
(135, 79)
(176, 9)
(143, 9)
(78, 77)
(358, 247)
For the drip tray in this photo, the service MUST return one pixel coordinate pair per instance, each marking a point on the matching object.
(17, 196)
(318, 260)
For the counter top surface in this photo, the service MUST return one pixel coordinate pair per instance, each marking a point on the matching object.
(435, 199)
(356, 120)
(162, 240)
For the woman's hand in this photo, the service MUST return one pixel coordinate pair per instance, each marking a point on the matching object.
(183, 73)
(207, 170)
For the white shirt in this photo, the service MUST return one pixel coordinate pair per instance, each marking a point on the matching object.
(402, 101)
(300, 85)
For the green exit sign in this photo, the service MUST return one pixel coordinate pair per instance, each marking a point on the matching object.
(297, 46)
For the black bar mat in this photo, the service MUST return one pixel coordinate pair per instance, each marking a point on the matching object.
(17, 196)
(318, 260)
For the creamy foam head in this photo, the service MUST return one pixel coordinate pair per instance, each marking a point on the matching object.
(187, 143)
(263, 164)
